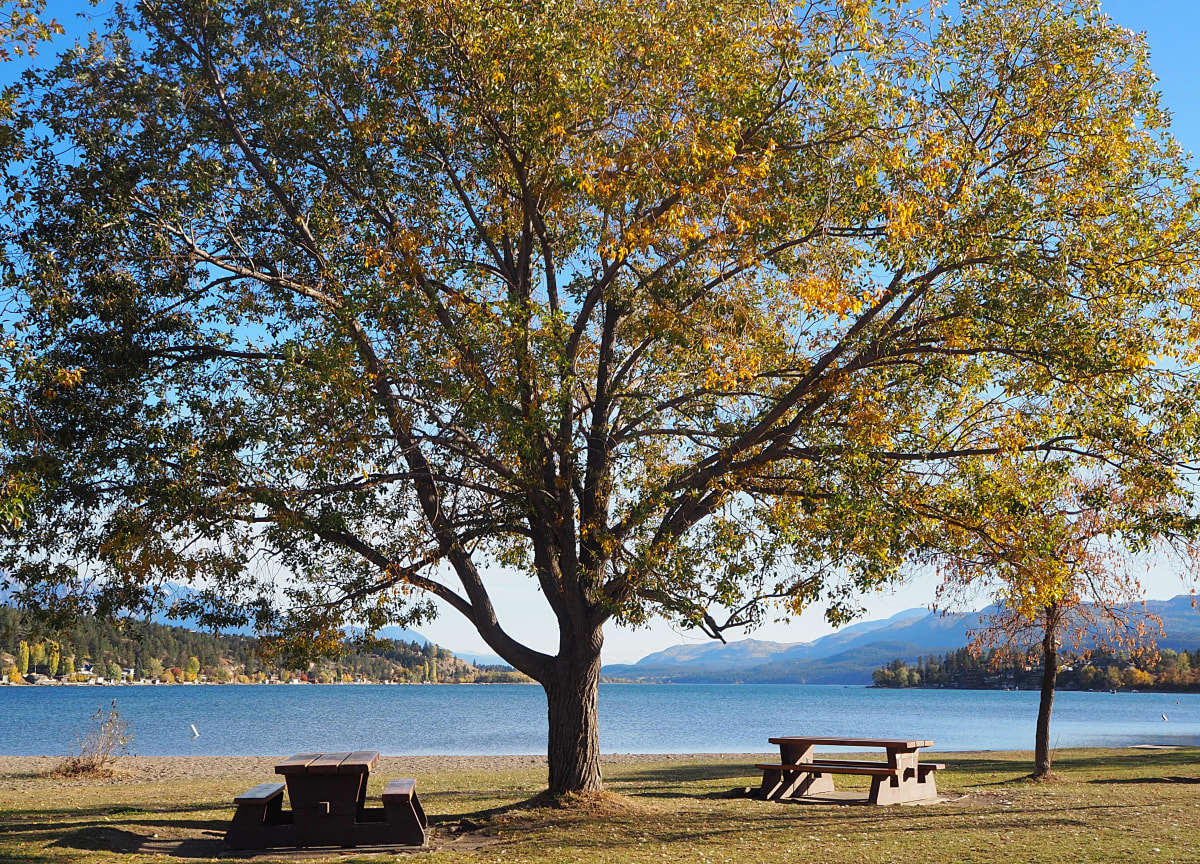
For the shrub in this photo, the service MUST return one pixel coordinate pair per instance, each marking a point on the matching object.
(107, 737)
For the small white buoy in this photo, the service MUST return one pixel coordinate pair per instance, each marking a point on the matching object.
(196, 732)
(1164, 716)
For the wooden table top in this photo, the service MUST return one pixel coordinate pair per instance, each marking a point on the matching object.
(358, 762)
(889, 743)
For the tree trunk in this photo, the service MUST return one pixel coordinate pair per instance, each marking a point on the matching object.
(1041, 754)
(572, 692)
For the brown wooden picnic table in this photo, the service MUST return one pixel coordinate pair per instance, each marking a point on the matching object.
(328, 793)
(900, 779)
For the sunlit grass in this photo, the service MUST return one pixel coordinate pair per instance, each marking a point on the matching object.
(1106, 806)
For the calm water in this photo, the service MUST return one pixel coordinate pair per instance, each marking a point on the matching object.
(634, 718)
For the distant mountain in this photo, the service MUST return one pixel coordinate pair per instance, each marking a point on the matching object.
(744, 652)
(850, 655)
(401, 634)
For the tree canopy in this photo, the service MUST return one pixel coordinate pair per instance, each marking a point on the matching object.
(686, 309)
(21, 27)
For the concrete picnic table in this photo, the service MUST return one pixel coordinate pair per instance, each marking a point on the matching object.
(901, 779)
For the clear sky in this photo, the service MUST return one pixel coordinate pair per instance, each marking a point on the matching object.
(1172, 28)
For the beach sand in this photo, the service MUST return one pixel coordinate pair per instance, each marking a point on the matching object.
(16, 771)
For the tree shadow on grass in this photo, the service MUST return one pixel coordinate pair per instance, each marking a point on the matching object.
(61, 820)
(108, 839)
(688, 773)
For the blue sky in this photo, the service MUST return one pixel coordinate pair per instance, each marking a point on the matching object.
(1172, 28)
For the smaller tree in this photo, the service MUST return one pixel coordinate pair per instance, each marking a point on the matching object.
(69, 665)
(1055, 551)
(113, 671)
(23, 658)
(53, 657)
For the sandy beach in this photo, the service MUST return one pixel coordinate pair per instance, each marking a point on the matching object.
(16, 771)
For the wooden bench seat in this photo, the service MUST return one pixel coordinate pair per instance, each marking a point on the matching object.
(259, 813)
(399, 789)
(263, 793)
(404, 812)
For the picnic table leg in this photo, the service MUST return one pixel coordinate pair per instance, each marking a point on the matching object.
(910, 784)
(778, 785)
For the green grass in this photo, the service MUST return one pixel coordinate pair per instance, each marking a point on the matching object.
(1122, 806)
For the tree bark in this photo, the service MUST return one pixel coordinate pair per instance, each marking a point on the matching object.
(572, 695)
(1041, 754)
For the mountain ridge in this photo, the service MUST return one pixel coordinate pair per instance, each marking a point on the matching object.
(850, 655)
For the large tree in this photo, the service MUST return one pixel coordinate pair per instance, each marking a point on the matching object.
(680, 308)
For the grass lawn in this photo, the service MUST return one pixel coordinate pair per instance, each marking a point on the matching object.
(1107, 806)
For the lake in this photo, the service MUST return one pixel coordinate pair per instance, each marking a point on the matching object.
(258, 720)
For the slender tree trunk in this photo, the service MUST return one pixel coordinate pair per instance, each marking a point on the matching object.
(1041, 754)
(572, 692)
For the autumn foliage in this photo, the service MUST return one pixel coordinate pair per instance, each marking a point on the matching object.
(709, 311)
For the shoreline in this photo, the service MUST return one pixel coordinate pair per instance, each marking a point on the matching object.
(18, 769)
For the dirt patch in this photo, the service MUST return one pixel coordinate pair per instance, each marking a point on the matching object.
(463, 838)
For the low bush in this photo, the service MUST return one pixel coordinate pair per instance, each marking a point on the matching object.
(107, 737)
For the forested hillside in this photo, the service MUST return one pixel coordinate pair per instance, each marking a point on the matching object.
(1095, 670)
(145, 650)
